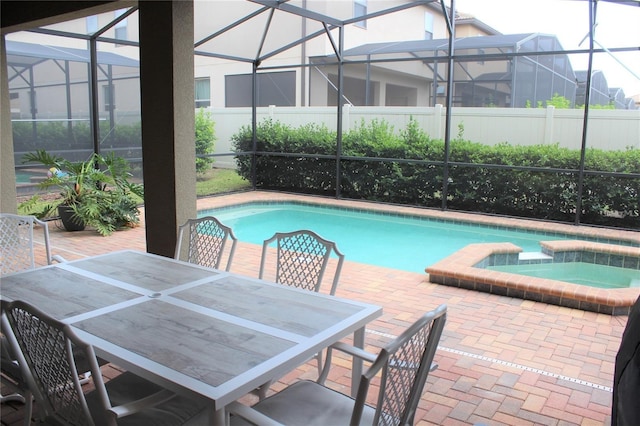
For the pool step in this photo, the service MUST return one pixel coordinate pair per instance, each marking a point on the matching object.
(533, 255)
(634, 284)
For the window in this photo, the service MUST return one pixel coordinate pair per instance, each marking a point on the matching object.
(109, 97)
(121, 27)
(360, 9)
(273, 88)
(92, 24)
(203, 92)
(428, 26)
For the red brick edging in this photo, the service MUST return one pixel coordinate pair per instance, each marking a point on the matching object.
(459, 270)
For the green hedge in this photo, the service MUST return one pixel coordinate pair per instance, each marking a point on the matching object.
(611, 201)
(55, 136)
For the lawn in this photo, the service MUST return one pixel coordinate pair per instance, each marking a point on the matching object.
(217, 181)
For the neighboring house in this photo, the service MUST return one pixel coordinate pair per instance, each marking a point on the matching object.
(520, 81)
(224, 78)
(630, 103)
(285, 74)
(470, 26)
(617, 98)
(599, 94)
(300, 72)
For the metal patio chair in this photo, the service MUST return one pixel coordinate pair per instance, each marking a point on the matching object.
(47, 357)
(206, 238)
(301, 259)
(404, 365)
(13, 377)
(17, 243)
(17, 253)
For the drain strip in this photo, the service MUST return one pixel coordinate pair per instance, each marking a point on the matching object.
(512, 365)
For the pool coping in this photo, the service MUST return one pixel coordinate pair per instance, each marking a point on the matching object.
(460, 270)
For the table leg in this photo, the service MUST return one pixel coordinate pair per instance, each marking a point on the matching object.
(356, 368)
(218, 417)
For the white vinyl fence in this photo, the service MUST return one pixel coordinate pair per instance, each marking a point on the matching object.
(607, 129)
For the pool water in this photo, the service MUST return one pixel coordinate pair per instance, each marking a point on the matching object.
(591, 274)
(392, 241)
(23, 177)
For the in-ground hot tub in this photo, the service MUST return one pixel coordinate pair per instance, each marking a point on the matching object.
(467, 268)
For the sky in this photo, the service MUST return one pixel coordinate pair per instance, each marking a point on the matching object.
(617, 26)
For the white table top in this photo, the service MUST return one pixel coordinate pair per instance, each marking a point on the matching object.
(191, 329)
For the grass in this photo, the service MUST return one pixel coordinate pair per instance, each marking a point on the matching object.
(217, 181)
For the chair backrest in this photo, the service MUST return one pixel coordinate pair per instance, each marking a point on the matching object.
(301, 259)
(46, 358)
(405, 364)
(206, 238)
(16, 242)
(10, 366)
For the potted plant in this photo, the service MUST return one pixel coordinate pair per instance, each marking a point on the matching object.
(96, 192)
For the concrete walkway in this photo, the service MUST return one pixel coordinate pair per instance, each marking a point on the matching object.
(502, 361)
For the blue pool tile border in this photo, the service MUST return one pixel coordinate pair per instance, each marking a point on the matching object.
(584, 256)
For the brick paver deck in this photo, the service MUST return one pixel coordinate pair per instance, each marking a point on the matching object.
(502, 360)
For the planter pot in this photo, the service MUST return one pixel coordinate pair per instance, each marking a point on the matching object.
(70, 222)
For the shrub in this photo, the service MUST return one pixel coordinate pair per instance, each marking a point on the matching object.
(205, 138)
(407, 167)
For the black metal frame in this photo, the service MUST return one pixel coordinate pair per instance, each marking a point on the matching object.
(330, 23)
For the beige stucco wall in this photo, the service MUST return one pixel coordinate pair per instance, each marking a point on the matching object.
(8, 203)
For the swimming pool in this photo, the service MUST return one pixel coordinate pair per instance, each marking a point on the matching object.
(409, 243)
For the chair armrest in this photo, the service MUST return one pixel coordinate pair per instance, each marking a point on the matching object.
(143, 403)
(58, 258)
(348, 349)
(354, 351)
(367, 356)
(250, 415)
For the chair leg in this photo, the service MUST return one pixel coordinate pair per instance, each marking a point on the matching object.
(319, 361)
(28, 409)
(324, 368)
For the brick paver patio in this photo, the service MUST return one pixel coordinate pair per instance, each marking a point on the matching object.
(502, 361)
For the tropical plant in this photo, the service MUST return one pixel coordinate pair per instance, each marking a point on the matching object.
(98, 190)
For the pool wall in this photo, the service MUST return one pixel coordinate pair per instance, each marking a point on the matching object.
(465, 269)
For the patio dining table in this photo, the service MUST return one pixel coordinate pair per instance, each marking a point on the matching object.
(197, 331)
